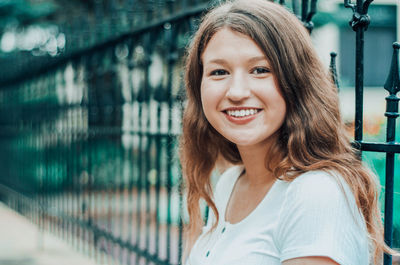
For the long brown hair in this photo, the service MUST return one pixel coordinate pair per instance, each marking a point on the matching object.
(312, 136)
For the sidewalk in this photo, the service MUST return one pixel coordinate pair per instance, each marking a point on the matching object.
(19, 244)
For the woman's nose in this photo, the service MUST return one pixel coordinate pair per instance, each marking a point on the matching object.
(238, 88)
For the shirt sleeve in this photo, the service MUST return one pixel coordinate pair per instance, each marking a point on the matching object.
(319, 217)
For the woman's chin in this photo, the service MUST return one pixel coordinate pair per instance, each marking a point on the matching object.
(243, 141)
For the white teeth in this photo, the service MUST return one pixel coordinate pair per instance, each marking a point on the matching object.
(241, 113)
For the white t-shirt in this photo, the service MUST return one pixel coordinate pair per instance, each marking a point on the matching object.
(310, 216)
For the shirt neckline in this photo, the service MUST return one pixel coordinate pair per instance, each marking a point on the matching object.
(239, 172)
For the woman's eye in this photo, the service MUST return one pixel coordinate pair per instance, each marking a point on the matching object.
(260, 70)
(219, 72)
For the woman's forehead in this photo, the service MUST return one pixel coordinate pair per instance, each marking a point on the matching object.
(228, 42)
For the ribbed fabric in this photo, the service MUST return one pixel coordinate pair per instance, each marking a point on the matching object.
(314, 215)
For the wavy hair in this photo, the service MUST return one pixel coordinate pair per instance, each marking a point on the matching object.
(313, 135)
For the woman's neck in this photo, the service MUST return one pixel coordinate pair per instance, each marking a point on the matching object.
(255, 164)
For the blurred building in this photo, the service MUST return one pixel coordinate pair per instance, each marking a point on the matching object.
(333, 33)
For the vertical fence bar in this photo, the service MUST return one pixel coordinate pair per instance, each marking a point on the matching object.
(171, 37)
(130, 149)
(147, 95)
(304, 9)
(46, 177)
(169, 138)
(359, 79)
(140, 172)
(40, 195)
(114, 178)
(92, 200)
(119, 60)
(392, 85)
(80, 179)
(158, 154)
(359, 24)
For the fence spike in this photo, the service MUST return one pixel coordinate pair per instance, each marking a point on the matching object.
(393, 81)
(333, 71)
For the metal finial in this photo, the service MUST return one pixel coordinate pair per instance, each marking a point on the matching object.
(307, 14)
(360, 14)
(332, 69)
(366, 6)
(393, 81)
(348, 4)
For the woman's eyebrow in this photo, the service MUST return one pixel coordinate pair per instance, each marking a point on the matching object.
(257, 59)
(250, 60)
(217, 61)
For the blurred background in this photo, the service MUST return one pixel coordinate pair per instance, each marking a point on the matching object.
(91, 98)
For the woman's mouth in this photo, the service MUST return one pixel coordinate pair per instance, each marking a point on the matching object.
(241, 116)
(240, 113)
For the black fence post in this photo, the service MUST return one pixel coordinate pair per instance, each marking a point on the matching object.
(392, 85)
(359, 23)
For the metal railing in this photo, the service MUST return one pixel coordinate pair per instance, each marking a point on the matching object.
(360, 22)
(89, 138)
(89, 142)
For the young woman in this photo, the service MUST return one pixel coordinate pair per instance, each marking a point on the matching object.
(259, 98)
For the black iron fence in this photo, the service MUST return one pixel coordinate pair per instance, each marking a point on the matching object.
(360, 22)
(89, 138)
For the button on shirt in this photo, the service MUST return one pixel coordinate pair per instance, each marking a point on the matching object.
(314, 215)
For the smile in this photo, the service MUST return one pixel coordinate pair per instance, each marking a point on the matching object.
(242, 113)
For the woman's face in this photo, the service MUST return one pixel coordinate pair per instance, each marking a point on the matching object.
(239, 94)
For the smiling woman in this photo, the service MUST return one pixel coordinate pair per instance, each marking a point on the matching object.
(260, 99)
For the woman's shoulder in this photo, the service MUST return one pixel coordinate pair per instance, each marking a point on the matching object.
(325, 194)
(320, 184)
(319, 215)
(318, 176)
